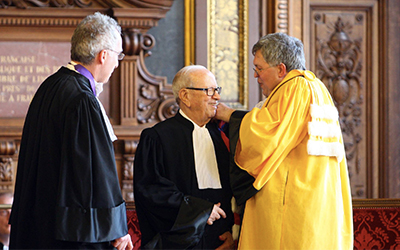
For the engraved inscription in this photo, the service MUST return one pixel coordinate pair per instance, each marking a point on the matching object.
(23, 67)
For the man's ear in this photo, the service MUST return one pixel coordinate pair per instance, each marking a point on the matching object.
(102, 55)
(282, 70)
(184, 97)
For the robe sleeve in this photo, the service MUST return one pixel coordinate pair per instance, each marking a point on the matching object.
(177, 220)
(267, 135)
(241, 181)
(90, 205)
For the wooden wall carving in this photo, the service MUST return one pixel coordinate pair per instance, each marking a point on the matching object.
(135, 98)
(341, 44)
(127, 182)
(7, 150)
(339, 64)
(341, 48)
(281, 23)
(26, 4)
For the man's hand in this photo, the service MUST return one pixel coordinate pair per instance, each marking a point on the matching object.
(223, 112)
(216, 214)
(123, 243)
(228, 241)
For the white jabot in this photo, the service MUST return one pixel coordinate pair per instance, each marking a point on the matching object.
(99, 89)
(204, 157)
(110, 129)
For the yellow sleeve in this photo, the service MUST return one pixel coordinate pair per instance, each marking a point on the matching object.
(267, 135)
(347, 201)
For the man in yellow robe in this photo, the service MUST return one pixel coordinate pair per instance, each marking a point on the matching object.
(293, 148)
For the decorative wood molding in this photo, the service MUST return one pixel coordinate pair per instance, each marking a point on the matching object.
(127, 181)
(281, 16)
(139, 14)
(7, 150)
(375, 203)
(28, 4)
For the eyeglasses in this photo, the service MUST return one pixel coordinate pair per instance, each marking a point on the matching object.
(258, 72)
(120, 54)
(209, 91)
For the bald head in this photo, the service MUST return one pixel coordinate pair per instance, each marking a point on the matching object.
(197, 93)
(188, 76)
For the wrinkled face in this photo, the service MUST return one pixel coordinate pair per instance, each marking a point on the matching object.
(267, 76)
(5, 215)
(202, 106)
(111, 61)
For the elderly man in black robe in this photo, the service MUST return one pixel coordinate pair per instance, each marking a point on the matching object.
(181, 172)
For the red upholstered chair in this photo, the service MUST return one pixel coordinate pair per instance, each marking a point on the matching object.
(376, 223)
(133, 225)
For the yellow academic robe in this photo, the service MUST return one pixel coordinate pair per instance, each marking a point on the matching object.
(304, 200)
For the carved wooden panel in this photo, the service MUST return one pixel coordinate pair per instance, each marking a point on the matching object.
(341, 42)
(281, 17)
(127, 181)
(341, 51)
(7, 173)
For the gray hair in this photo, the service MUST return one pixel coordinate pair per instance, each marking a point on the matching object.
(93, 34)
(279, 48)
(185, 78)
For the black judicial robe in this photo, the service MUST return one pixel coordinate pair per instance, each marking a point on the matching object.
(241, 181)
(172, 210)
(67, 192)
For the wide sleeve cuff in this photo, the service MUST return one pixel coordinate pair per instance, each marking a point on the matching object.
(188, 228)
(91, 225)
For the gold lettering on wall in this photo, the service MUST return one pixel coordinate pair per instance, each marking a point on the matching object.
(17, 59)
(23, 67)
(18, 83)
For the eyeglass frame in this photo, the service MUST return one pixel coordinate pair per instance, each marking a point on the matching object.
(260, 70)
(218, 89)
(120, 54)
